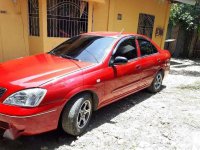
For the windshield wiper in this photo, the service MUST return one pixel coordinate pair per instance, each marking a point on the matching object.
(69, 57)
(51, 52)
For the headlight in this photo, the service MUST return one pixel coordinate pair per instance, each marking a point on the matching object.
(26, 98)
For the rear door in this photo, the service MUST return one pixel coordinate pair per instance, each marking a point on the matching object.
(149, 61)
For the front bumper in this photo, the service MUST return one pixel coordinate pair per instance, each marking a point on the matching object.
(14, 126)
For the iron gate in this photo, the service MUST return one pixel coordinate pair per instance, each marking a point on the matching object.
(66, 18)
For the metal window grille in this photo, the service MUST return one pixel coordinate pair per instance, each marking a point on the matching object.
(33, 9)
(66, 18)
(146, 24)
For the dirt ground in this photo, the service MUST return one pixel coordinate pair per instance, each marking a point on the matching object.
(167, 120)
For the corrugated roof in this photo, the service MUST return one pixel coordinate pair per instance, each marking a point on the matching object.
(191, 2)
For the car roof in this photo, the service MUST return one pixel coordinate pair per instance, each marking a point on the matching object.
(112, 34)
(119, 36)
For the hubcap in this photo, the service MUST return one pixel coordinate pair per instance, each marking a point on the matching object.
(84, 114)
(158, 81)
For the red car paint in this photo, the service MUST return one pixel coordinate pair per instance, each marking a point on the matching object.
(64, 78)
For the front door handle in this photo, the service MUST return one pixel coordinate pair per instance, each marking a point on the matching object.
(159, 60)
(138, 67)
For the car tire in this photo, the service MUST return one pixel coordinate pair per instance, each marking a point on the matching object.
(156, 85)
(77, 114)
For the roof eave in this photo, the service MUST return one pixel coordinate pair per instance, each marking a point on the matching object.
(191, 2)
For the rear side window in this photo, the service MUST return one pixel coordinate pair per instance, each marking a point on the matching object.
(146, 47)
(127, 49)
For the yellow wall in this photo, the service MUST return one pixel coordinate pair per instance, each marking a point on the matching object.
(13, 30)
(100, 16)
(14, 33)
(103, 17)
(130, 10)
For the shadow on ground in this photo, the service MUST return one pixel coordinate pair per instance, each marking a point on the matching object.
(182, 64)
(178, 68)
(54, 139)
(185, 73)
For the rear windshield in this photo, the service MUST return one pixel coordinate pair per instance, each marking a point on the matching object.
(86, 48)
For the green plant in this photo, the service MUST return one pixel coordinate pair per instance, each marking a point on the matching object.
(186, 15)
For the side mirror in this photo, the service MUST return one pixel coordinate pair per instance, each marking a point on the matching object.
(119, 60)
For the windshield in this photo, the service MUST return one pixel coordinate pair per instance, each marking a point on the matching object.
(86, 48)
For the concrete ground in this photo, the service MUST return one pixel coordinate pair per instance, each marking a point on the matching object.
(167, 120)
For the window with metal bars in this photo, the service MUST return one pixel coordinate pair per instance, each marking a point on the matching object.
(146, 24)
(66, 18)
(33, 10)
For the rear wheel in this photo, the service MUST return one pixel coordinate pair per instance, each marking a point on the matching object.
(156, 85)
(77, 114)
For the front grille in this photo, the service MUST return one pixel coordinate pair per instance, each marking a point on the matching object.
(2, 91)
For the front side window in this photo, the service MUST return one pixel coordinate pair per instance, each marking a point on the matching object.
(127, 49)
(146, 48)
(86, 48)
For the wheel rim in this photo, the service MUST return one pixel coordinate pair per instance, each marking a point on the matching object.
(158, 82)
(84, 114)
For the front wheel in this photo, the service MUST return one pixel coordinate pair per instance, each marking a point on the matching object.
(77, 114)
(156, 85)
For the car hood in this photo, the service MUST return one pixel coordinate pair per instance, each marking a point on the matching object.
(36, 70)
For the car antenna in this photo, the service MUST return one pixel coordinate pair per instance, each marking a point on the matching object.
(121, 32)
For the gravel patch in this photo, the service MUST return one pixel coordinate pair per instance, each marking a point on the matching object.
(167, 120)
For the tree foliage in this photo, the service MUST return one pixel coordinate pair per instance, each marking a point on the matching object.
(186, 15)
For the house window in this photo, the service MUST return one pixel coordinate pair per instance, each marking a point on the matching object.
(33, 10)
(146, 24)
(66, 18)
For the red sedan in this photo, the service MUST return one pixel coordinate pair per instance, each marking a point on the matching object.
(63, 87)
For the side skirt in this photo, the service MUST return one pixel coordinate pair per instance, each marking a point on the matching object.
(105, 103)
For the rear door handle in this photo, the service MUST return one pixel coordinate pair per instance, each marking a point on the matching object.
(158, 60)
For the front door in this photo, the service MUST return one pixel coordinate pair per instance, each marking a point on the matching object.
(125, 78)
